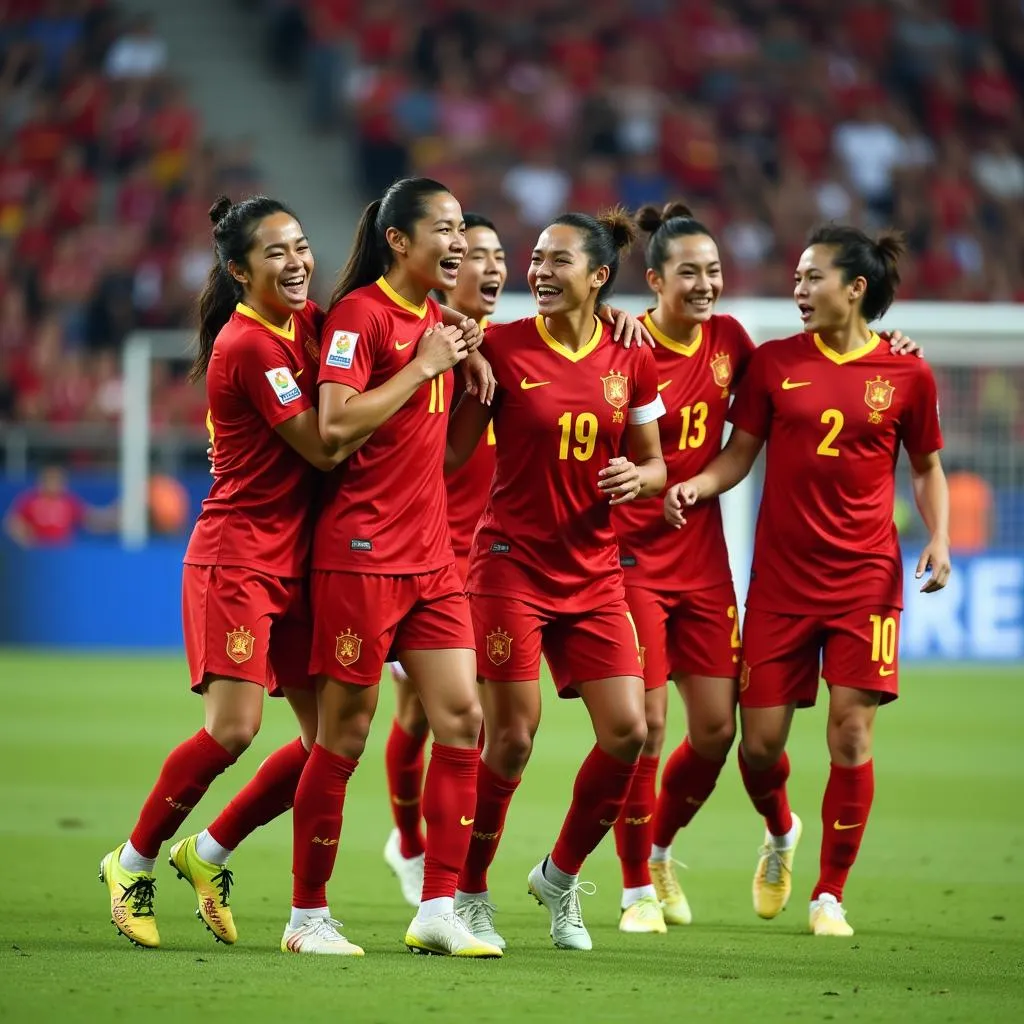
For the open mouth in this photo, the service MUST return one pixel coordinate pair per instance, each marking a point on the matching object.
(294, 287)
(806, 311)
(450, 265)
(546, 292)
(489, 290)
(701, 303)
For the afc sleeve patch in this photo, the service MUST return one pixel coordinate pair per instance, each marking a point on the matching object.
(342, 349)
(283, 383)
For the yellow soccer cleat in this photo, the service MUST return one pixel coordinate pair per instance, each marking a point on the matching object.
(675, 908)
(643, 916)
(212, 885)
(131, 900)
(447, 935)
(773, 879)
(827, 917)
(319, 936)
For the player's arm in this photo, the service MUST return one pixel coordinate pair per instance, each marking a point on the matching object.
(931, 493)
(302, 432)
(626, 328)
(348, 415)
(643, 473)
(724, 472)
(471, 330)
(465, 428)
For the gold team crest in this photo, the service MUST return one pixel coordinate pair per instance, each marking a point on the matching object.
(348, 648)
(744, 676)
(499, 647)
(721, 370)
(616, 394)
(878, 397)
(240, 645)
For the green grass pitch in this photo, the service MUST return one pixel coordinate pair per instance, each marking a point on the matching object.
(937, 897)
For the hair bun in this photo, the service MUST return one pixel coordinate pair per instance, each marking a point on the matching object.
(219, 210)
(676, 208)
(649, 217)
(892, 244)
(620, 225)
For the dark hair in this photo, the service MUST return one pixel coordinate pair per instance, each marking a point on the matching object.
(858, 255)
(477, 220)
(606, 239)
(234, 229)
(400, 207)
(673, 220)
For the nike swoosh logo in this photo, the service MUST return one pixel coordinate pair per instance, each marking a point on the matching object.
(882, 671)
(298, 374)
(661, 387)
(839, 827)
(528, 385)
(466, 821)
(788, 385)
(399, 345)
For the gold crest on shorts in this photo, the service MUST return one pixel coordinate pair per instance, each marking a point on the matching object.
(744, 676)
(348, 648)
(240, 645)
(499, 647)
(878, 397)
(721, 370)
(616, 390)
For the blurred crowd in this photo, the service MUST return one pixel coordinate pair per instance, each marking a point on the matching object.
(768, 117)
(105, 180)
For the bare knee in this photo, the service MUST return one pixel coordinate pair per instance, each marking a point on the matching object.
(458, 725)
(345, 736)
(713, 739)
(623, 738)
(235, 735)
(762, 750)
(655, 741)
(508, 746)
(849, 739)
(411, 717)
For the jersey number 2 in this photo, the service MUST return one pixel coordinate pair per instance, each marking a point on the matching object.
(835, 421)
(584, 430)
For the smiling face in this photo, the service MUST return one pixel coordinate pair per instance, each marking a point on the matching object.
(279, 264)
(482, 275)
(826, 302)
(689, 282)
(432, 252)
(560, 276)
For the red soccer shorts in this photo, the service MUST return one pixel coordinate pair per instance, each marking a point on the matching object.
(243, 624)
(695, 633)
(358, 618)
(511, 634)
(782, 655)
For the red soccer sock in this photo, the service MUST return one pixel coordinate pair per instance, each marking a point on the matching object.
(269, 793)
(767, 792)
(449, 800)
(686, 783)
(634, 827)
(316, 824)
(184, 778)
(844, 815)
(598, 794)
(403, 761)
(493, 796)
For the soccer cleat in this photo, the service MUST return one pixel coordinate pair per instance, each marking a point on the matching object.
(567, 928)
(827, 917)
(318, 935)
(408, 870)
(212, 885)
(477, 913)
(447, 935)
(131, 900)
(645, 915)
(773, 879)
(674, 905)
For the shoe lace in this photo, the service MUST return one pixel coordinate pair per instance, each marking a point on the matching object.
(646, 907)
(775, 865)
(223, 880)
(569, 902)
(477, 913)
(666, 879)
(141, 892)
(326, 928)
(832, 910)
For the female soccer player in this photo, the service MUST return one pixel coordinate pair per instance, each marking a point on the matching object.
(544, 572)
(384, 575)
(244, 607)
(480, 281)
(833, 407)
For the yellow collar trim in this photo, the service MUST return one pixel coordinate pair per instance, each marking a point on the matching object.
(563, 350)
(398, 300)
(679, 347)
(287, 332)
(483, 324)
(847, 357)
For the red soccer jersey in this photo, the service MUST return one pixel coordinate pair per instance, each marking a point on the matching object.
(385, 510)
(259, 510)
(833, 426)
(469, 486)
(546, 534)
(695, 382)
(50, 518)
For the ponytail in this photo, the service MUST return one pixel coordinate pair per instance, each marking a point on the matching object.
(858, 255)
(366, 260)
(606, 239)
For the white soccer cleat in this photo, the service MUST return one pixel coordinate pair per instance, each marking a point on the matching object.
(567, 928)
(321, 935)
(408, 870)
(477, 913)
(827, 917)
(447, 935)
